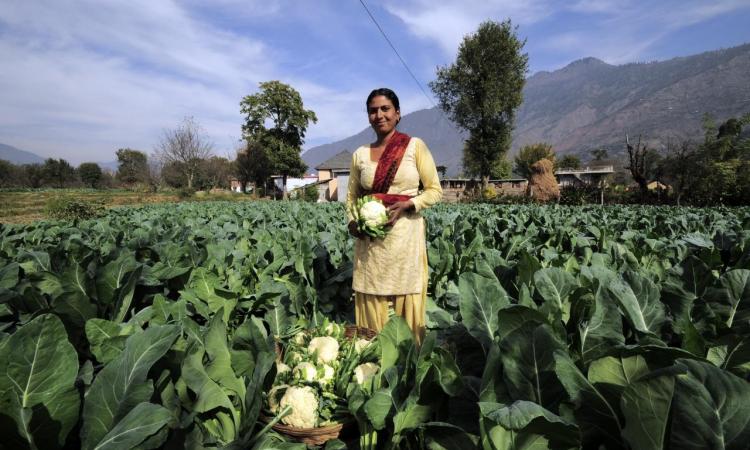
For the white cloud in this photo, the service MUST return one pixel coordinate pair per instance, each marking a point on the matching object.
(447, 22)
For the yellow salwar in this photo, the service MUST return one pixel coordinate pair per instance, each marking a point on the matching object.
(393, 271)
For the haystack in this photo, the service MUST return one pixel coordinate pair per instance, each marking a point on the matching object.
(543, 186)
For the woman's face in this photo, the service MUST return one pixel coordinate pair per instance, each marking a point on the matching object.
(383, 116)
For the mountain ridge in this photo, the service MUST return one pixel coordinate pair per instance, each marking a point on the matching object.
(590, 104)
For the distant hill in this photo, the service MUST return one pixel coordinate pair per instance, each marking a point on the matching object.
(18, 156)
(590, 104)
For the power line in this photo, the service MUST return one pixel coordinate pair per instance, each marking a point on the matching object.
(406, 66)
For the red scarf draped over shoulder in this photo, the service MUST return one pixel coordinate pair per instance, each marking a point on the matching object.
(388, 165)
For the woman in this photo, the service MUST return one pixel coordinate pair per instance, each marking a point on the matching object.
(392, 272)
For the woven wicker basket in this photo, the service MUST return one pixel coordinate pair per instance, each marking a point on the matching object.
(320, 435)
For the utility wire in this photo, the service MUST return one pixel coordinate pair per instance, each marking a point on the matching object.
(406, 66)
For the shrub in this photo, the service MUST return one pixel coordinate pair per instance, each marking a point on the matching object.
(71, 209)
(311, 193)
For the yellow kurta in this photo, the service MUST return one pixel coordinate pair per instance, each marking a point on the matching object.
(393, 271)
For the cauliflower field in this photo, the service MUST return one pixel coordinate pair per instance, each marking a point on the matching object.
(550, 327)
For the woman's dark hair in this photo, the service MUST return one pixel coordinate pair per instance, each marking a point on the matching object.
(385, 92)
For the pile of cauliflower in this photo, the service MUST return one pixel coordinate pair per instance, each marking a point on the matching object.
(371, 216)
(313, 373)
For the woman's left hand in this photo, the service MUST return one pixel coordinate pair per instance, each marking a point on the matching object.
(399, 209)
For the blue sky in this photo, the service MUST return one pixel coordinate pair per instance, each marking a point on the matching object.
(80, 79)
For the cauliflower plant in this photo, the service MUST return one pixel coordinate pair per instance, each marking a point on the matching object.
(364, 372)
(305, 371)
(304, 405)
(326, 347)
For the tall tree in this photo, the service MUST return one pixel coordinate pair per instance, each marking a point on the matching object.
(530, 154)
(481, 92)
(253, 165)
(132, 166)
(90, 173)
(282, 105)
(642, 162)
(58, 172)
(186, 147)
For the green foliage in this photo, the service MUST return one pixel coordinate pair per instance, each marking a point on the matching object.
(530, 154)
(58, 173)
(311, 193)
(132, 166)
(559, 327)
(282, 142)
(90, 173)
(482, 90)
(570, 162)
(72, 209)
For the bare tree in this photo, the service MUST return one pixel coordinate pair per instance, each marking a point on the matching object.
(637, 164)
(186, 146)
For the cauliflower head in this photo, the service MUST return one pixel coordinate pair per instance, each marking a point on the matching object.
(333, 329)
(304, 405)
(327, 376)
(364, 372)
(299, 338)
(326, 347)
(360, 344)
(374, 214)
(306, 371)
(281, 368)
(274, 395)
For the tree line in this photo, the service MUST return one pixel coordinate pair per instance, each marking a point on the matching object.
(273, 134)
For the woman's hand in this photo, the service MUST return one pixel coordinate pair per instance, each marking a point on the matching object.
(354, 230)
(399, 209)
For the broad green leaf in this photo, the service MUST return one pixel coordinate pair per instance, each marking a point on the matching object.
(602, 331)
(113, 276)
(645, 404)
(731, 303)
(555, 286)
(445, 436)
(481, 299)
(124, 295)
(37, 384)
(638, 298)
(379, 407)
(396, 340)
(526, 425)
(529, 365)
(711, 409)
(9, 276)
(107, 338)
(617, 371)
(122, 384)
(142, 422)
(597, 417)
(411, 415)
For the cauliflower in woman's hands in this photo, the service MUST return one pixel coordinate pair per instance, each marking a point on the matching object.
(371, 216)
(304, 405)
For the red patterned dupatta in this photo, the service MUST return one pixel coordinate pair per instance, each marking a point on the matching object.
(387, 167)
